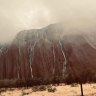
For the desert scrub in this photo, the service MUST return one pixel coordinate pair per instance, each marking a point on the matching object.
(39, 88)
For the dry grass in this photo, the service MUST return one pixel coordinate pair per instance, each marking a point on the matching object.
(61, 90)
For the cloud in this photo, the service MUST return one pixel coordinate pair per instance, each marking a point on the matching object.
(17, 15)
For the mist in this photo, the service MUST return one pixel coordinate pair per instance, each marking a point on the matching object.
(17, 15)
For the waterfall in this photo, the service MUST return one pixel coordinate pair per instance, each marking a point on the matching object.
(65, 60)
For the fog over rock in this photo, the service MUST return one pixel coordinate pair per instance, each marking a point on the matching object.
(17, 15)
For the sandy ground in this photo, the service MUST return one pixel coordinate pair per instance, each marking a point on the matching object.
(61, 90)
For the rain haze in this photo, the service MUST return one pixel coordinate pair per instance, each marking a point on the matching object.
(17, 15)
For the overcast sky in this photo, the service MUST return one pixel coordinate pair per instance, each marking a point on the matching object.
(17, 15)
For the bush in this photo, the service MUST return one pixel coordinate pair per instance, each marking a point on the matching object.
(74, 85)
(39, 88)
(51, 89)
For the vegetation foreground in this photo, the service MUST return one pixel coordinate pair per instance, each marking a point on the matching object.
(50, 90)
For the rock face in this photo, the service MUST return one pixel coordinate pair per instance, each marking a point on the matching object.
(47, 53)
